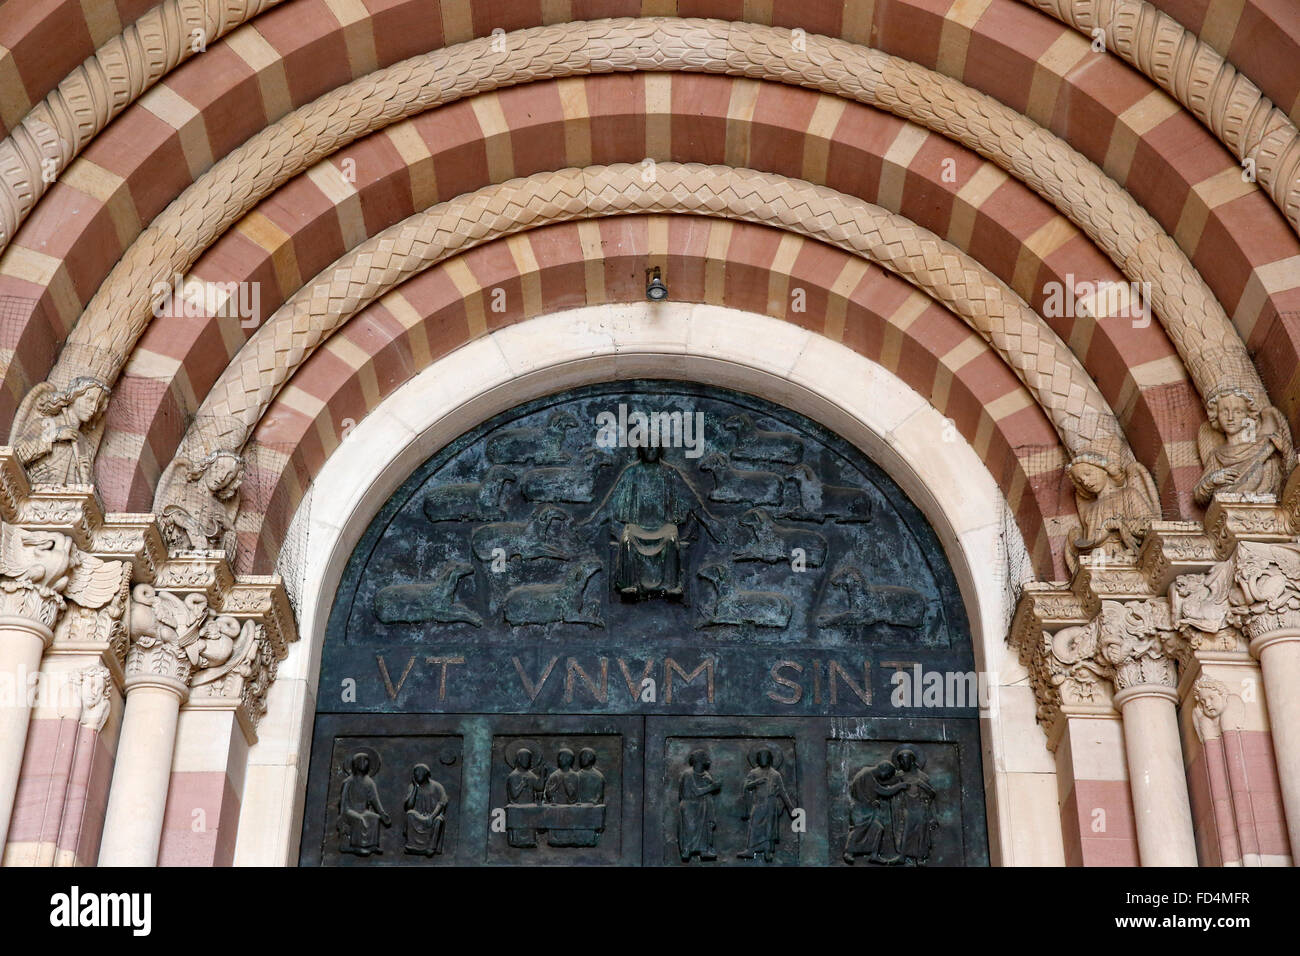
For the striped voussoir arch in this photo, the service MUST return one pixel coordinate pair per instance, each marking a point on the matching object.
(1139, 205)
(302, 227)
(1255, 300)
(594, 262)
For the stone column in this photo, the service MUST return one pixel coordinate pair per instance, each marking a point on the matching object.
(1132, 640)
(1266, 600)
(217, 727)
(1055, 632)
(28, 611)
(165, 645)
(41, 572)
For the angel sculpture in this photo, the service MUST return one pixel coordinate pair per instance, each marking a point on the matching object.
(1117, 503)
(54, 431)
(199, 502)
(48, 561)
(1245, 447)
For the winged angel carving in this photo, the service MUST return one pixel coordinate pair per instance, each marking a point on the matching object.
(1245, 447)
(55, 431)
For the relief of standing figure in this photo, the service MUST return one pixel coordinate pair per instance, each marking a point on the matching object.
(766, 798)
(426, 805)
(523, 787)
(360, 809)
(696, 819)
(913, 807)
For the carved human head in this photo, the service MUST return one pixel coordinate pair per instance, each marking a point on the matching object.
(649, 453)
(699, 759)
(420, 773)
(360, 765)
(223, 472)
(586, 757)
(884, 770)
(523, 758)
(1231, 409)
(1211, 695)
(564, 758)
(85, 398)
(906, 757)
(1092, 473)
(763, 757)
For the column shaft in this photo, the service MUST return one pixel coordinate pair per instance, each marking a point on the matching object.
(1155, 766)
(137, 798)
(1279, 660)
(22, 643)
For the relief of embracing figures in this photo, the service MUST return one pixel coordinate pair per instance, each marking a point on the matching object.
(891, 820)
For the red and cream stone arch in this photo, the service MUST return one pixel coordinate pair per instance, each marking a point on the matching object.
(1057, 242)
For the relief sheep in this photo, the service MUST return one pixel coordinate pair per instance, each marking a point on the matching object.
(754, 444)
(570, 483)
(469, 501)
(873, 603)
(818, 501)
(741, 486)
(555, 603)
(772, 543)
(740, 607)
(435, 601)
(541, 446)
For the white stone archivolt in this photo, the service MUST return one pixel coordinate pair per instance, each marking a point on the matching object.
(801, 370)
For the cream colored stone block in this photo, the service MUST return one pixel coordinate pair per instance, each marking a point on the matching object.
(205, 740)
(270, 816)
(1021, 743)
(1097, 748)
(1034, 836)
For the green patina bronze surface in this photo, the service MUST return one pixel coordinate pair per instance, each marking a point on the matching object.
(647, 622)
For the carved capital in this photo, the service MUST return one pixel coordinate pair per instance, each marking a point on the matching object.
(42, 573)
(1135, 641)
(220, 638)
(165, 636)
(242, 682)
(1201, 610)
(1054, 632)
(1266, 595)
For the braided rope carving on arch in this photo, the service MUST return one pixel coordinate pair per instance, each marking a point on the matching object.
(1040, 360)
(1202, 80)
(1196, 323)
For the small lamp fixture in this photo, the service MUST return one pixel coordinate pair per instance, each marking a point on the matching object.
(655, 290)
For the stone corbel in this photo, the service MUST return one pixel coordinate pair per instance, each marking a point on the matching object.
(1055, 633)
